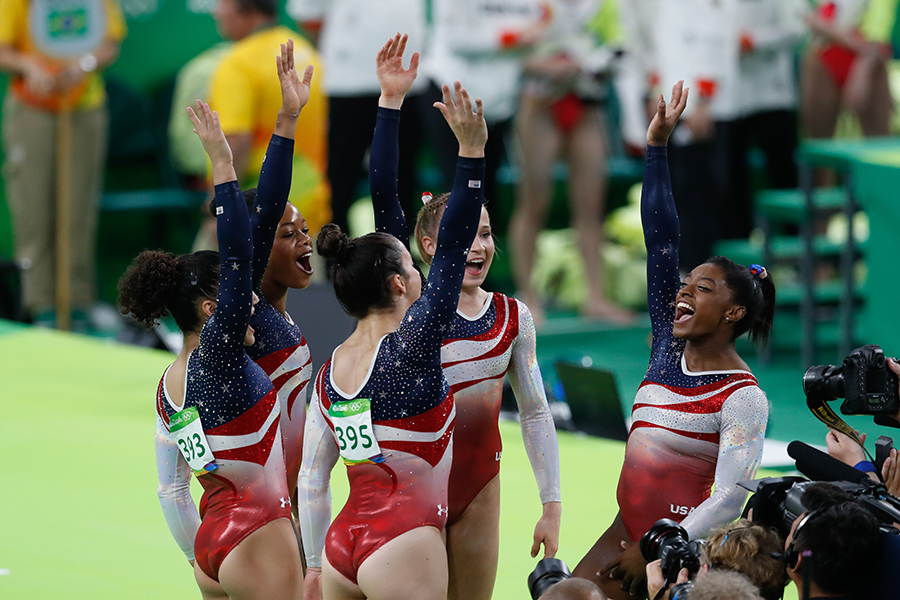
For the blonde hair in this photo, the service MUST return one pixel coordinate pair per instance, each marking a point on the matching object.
(747, 548)
(428, 220)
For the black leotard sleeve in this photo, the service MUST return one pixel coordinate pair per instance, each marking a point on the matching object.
(383, 173)
(271, 198)
(660, 222)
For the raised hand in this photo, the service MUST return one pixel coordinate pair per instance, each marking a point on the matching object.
(208, 129)
(667, 116)
(469, 127)
(394, 80)
(294, 93)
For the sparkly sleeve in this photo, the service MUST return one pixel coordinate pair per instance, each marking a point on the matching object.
(271, 198)
(538, 430)
(428, 319)
(743, 425)
(226, 330)
(384, 161)
(660, 221)
(174, 491)
(320, 454)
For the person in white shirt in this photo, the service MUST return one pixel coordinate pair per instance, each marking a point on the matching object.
(481, 42)
(348, 34)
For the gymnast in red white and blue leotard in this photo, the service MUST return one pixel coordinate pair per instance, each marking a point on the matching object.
(477, 353)
(280, 348)
(403, 488)
(236, 413)
(699, 415)
(492, 336)
(237, 405)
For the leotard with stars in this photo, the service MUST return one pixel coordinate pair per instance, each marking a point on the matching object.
(477, 353)
(238, 408)
(280, 348)
(412, 412)
(690, 431)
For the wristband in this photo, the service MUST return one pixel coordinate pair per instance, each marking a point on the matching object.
(865, 466)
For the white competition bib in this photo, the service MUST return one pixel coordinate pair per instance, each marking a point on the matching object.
(352, 420)
(186, 428)
(67, 28)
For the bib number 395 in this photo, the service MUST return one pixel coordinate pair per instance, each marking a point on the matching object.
(186, 428)
(352, 420)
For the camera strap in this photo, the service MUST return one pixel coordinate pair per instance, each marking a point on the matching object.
(826, 414)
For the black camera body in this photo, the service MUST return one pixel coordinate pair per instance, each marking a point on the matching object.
(668, 542)
(864, 380)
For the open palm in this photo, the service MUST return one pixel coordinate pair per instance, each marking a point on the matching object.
(294, 92)
(394, 80)
(667, 115)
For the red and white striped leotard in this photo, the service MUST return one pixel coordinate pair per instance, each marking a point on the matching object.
(690, 432)
(478, 354)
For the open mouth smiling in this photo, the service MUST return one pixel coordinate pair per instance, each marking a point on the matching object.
(683, 312)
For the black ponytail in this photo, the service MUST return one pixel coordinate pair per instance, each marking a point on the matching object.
(361, 268)
(753, 289)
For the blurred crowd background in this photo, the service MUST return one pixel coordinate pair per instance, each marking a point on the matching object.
(568, 86)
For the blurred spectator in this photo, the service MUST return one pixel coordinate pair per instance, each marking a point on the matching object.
(561, 114)
(192, 83)
(31, 40)
(248, 98)
(349, 34)
(845, 67)
(636, 76)
(702, 52)
(480, 43)
(767, 33)
(738, 61)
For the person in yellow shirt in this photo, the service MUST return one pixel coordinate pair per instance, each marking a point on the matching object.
(247, 99)
(33, 37)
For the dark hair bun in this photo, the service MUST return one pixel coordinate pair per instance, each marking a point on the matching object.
(147, 285)
(331, 241)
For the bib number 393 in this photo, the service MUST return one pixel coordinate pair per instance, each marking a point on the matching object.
(186, 428)
(353, 432)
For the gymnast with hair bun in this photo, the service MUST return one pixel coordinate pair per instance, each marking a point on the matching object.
(382, 404)
(699, 415)
(218, 415)
(491, 336)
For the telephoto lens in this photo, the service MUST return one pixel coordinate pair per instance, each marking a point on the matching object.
(547, 572)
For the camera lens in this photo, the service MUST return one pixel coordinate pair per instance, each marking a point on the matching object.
(659, 536)
(547, 572)
(824, 380)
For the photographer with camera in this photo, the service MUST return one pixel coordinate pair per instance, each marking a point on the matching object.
(741, 547)
(870, 385)
(833, 547)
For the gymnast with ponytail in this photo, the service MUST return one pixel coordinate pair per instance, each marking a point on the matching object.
(218, 415)
(699, 415)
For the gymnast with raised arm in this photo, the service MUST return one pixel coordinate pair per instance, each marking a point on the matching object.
(699, 415)
(217, 412)
(382, 404)
(491, 336)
